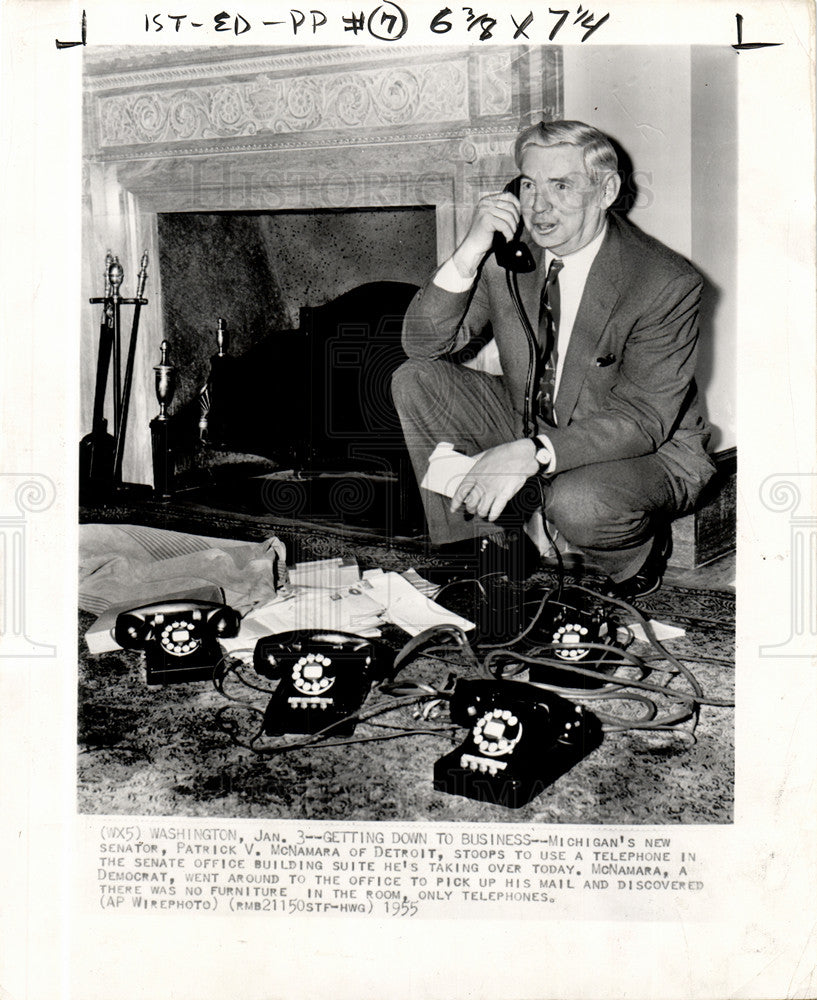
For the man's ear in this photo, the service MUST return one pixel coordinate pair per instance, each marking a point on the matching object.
(610, 187)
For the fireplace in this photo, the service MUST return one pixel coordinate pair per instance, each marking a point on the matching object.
(258, 270)
(259, 152)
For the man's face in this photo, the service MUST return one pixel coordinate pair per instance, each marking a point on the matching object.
(562, 208)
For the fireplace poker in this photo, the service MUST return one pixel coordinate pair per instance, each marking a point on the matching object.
(97, 447)
(115, 277)
(138, 302)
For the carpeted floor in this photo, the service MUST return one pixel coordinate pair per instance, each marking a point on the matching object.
(158, 751)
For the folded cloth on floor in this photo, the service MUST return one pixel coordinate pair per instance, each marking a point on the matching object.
(123, 562)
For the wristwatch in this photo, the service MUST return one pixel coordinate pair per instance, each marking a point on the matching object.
(543, 454)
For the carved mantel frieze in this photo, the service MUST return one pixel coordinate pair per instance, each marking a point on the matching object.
(373, 98)
(315, 98)
(152, 66)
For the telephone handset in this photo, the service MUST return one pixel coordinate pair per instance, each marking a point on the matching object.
(324, 677)
(180, 638)
(522, 739)
(513, 255)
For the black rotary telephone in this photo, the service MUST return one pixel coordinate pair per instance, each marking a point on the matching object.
(521, 740)
(570, 627)
(513, 255)
(180, 638)
(324, 677)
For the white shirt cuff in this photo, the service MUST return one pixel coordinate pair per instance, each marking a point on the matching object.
(450, 280)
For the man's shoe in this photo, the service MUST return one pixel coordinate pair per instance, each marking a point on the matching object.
(644, 582)
(649, 578)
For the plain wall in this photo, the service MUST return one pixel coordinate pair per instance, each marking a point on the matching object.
(639, 96)
(714, 228)
(672, 109)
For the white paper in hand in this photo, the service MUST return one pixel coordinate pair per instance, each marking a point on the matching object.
(446, 469)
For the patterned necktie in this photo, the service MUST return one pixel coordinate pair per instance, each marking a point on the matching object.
(548, 331)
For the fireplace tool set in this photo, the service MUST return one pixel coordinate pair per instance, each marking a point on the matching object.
(100, 451)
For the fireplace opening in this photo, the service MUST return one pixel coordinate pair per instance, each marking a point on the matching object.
(312, 302)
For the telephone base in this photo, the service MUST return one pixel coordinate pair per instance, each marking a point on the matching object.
(521, 741)
(513, 793)
(161, 669)
(293, 711)
(178, 637)
(161, 678)
(565, 626)
(512, 789)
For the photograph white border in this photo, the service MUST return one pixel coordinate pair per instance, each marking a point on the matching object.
(752, 935)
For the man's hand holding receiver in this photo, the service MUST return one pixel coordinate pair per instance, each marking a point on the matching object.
(494, 213)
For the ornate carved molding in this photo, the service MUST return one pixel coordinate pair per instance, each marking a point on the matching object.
(206, 65)
(386, 96)
(308, 141)
(495, 82)
(209, 187)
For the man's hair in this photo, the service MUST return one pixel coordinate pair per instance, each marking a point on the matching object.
(599, 156)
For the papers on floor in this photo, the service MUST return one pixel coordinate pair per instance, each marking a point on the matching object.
(362, 607)
(333, 573)
(661, 629)
(424, 586)
(343, 610)
(405, 606)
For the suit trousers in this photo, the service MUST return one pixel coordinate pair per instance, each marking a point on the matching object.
(610, 511)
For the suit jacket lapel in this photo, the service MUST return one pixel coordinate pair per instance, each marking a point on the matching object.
(601, 292)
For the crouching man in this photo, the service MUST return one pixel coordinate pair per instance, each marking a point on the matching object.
(597, 399)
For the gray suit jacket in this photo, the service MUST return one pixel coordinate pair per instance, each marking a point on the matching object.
(639, 308)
